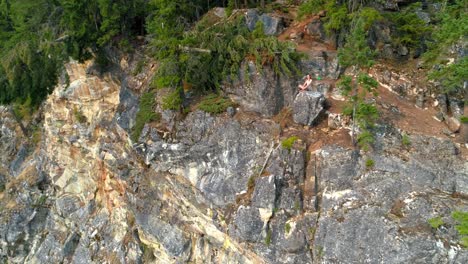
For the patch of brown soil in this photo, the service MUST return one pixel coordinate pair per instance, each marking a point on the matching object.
(408, 117)
(320, 135)
(307, 43)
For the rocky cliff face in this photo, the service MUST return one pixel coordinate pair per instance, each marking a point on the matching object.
(215, 189)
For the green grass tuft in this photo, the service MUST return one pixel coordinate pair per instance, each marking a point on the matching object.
(289, 142)
(172, 101)
(464, 119)
(268, 238)
(462, 226)
(79, 117)
(405, 140)
(215, 104)
(145, 114)
(435, 222)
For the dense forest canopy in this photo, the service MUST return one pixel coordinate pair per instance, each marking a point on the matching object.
(38, 36)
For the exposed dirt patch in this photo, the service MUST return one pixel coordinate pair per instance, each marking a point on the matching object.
(407, 117)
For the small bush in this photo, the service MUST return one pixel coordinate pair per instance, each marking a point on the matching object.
(145, 114)
(172, 101)
(40, 201)
(409, 27)
(462, 227)
(23, 111)
(287, 227)
(289, 142)
(370, 163)
(464, 119)
(268, 238)
(79, 117)
(36, 135)
(405, 140)
(139, 67)
(310, 7)
(435, 222)
(215, 104)
(251, 182)
(365, 139)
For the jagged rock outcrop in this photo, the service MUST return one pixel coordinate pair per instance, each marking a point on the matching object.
(388, 205)
(208, 188)
(272, 25)
(267, 92)
(308, 106)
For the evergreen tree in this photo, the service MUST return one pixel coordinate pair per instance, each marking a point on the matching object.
(356, 53)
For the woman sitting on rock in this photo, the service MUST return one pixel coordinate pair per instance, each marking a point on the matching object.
(307, 83)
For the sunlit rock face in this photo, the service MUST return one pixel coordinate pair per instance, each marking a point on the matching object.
(209, 188)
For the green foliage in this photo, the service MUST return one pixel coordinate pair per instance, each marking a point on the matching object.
(356, 51)
(337, 17)
(366, 115)
(367, 83)
(365, 139)
(310, 7)
(346, 85)
(435, 222)
(172, 101)
(268, 237)
(205, 56)
(464, 119)
(215, 104)
(23, 111)
(451, 29)
(145, 114)
(251, 182)
(230, 7)
(410, 29)
(258, 30)
(462, 226)
(37, 36)
(139, 67)
(370, 163)
(405, 140)
(90, 25)
(340, 13)
(79, 117)
(452, 76)
(40, 202)
(287, 228)
(36, 135)
(289, 142)
(369, 16)
(30, 57)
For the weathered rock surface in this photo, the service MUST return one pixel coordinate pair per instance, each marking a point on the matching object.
(388, 206)
(272, 25)
(308, 106)
(217, 188)
(267, 92)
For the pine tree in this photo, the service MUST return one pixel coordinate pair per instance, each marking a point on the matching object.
(356, 53)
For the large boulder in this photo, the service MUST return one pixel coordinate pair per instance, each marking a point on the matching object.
(272, 25)
(316, 30)
(453, 124)
(308, 106)
(263, 92)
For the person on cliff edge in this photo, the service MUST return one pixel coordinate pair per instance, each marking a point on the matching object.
(307, 83)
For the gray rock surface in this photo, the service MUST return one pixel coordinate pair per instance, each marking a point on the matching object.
(204, 188)
(308, 106)
(266, 92)
(272, 25)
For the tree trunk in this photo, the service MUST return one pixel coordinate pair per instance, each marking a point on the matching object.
(353, 126)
